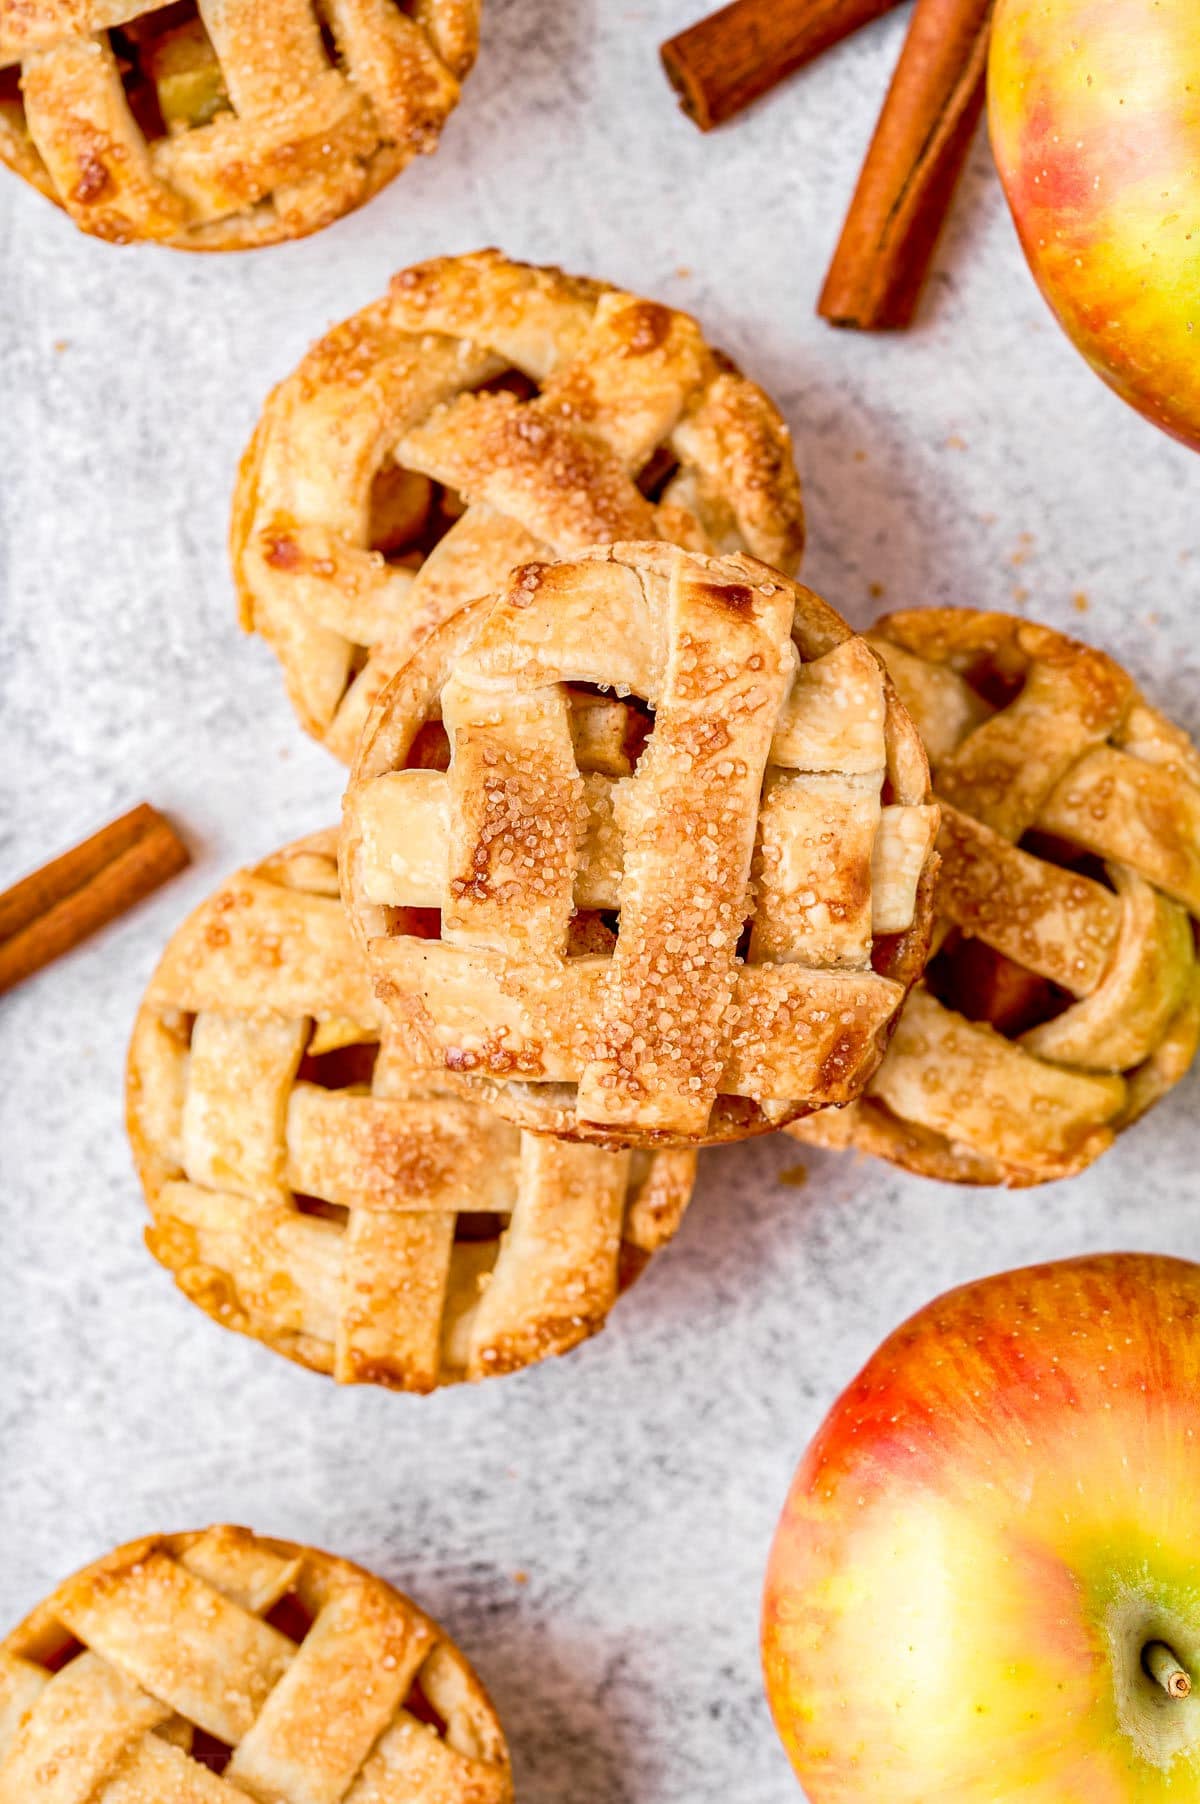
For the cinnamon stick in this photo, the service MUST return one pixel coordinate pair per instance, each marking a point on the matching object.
(54, 908)
(723, 62)
(911, 168)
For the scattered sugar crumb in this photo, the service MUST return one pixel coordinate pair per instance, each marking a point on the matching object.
(1024, 547)
(860, 457)
(520, 1578)
(683, 272)
(62, 344)
(1153, 618)
(956, 442)
(1080, 602)
(876, 591)
(795, 1176)
(1020, 592)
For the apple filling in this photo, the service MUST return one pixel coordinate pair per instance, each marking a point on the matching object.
(409, 514)
(10, 90)
(657, 474)
(984, 985)
(172, 77)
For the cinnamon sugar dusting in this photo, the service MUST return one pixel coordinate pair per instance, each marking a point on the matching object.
(672, 1022)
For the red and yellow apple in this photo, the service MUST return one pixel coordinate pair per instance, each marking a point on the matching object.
(985, 1585)
(1094, 110)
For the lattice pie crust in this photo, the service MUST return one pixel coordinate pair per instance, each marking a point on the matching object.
(308, 1187)
(1065, 996)
(674, 883)
(214, 1667)
(219, 124)
(482, 414)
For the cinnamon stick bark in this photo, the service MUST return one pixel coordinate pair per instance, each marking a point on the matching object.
(51, 910)
(911, 168)
(722, 63)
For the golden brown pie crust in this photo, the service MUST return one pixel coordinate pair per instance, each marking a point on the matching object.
(209, 1667)
(1064, 997)
(675, 882)
(223, 126)
(509, 413)
(313, 1190)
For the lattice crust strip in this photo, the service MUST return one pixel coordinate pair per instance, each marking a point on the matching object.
(621, 392)
(159, 1674)
(230, 122)
(312, 1189)
(765, 855)
(1067, 899)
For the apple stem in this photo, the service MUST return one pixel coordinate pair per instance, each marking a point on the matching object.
(1164, 1668)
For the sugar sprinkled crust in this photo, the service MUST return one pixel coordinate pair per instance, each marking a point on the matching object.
(267, 121)
(643, 849)
(211, 1666)
(1065, 997)
(483, 414)
(310, 1188)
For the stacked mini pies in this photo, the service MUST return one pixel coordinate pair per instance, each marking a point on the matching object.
(640, 851)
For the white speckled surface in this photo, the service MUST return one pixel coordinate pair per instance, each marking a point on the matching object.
(638, 1481)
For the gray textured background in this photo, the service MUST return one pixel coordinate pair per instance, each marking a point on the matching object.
(637, 1482)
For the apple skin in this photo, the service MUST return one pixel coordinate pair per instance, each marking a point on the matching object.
(1094, 112)
(995, 1518)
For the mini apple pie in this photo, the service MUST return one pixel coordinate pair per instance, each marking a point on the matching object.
(485, 413)
(642, 850)
(213, 1667)
(221, 124)
(1064, 996)
(313, 1190)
